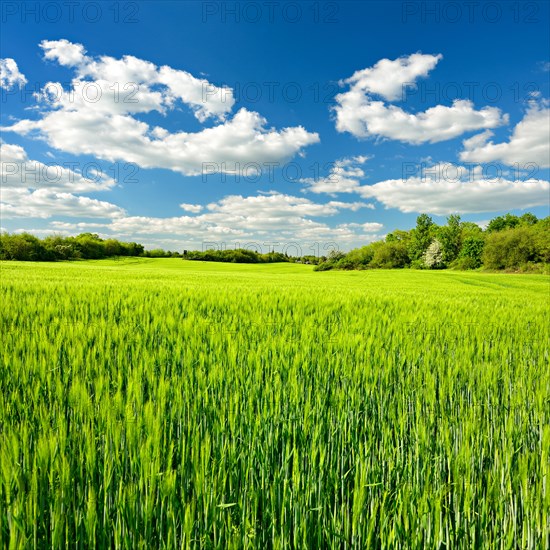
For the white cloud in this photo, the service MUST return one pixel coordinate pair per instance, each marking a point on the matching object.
(263, 222)
(126, 85)
(341, 237)
(362, 116)
(10, 75)
(344, 177)
(270, 211)
(388, 77)
(17, 170)
(269, 217)
(353, 206)
(368, 227)
(239, 141)
(43, 203)
(95, 117)
(529, 143)
(456, 195)
(32, 189)
(84, 226)
(101, 97)
(193, 208)
(205, 99)
(64, 52)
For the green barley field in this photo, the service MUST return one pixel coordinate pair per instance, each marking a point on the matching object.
(157, 403)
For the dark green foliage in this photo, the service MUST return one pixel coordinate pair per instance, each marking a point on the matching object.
(160, 253)
(541, 237)
(514, 248)
(450, 237)
(362, 257)
(399, 236)
(471, 251)
(391, 255)
(500, 223)
(510, 242)
(87, 246)
(90, 246)
(244, 256)
(22, 246)
(421, 236)
(528, 219)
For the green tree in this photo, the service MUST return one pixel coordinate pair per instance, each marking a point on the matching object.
(470, 229)
(500, 223)
(391, 255)
(90, 246)
(509, 249)
(421, 236)
(361, 257)
(23, 247)
(450, 239)
(398, 236)
(112, 247)
(471, 252)
(528, 219)
(541, 239)
(132, 249)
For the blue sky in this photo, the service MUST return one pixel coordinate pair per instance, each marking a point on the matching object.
(348, 119)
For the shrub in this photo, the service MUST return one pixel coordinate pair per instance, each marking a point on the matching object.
(433, 257)
(391, 255)
(362, 257)
(465, 263)
(471, 252)
(509, 248)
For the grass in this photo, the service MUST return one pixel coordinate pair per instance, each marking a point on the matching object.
(161, 404)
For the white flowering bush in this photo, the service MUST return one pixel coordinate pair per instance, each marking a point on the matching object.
(433, 257)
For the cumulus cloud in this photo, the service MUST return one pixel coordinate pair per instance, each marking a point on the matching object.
(32, 189)
(240, 216)
(387, 77)
(239, 141)
(368, 227)
(44, 203)
(528, 144)
(64, 52)
(344, 177)
(10, 76)
(362, 116)
(458, 193)
(193, 208)
(270, 211)
(83, 226)
(130, 79)
(17, 170)
(205, 98)
(260, 219)
(97, 116)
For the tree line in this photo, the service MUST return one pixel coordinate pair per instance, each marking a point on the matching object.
(245, 256)
(89, 246)
(86, 246)
(513, 243)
